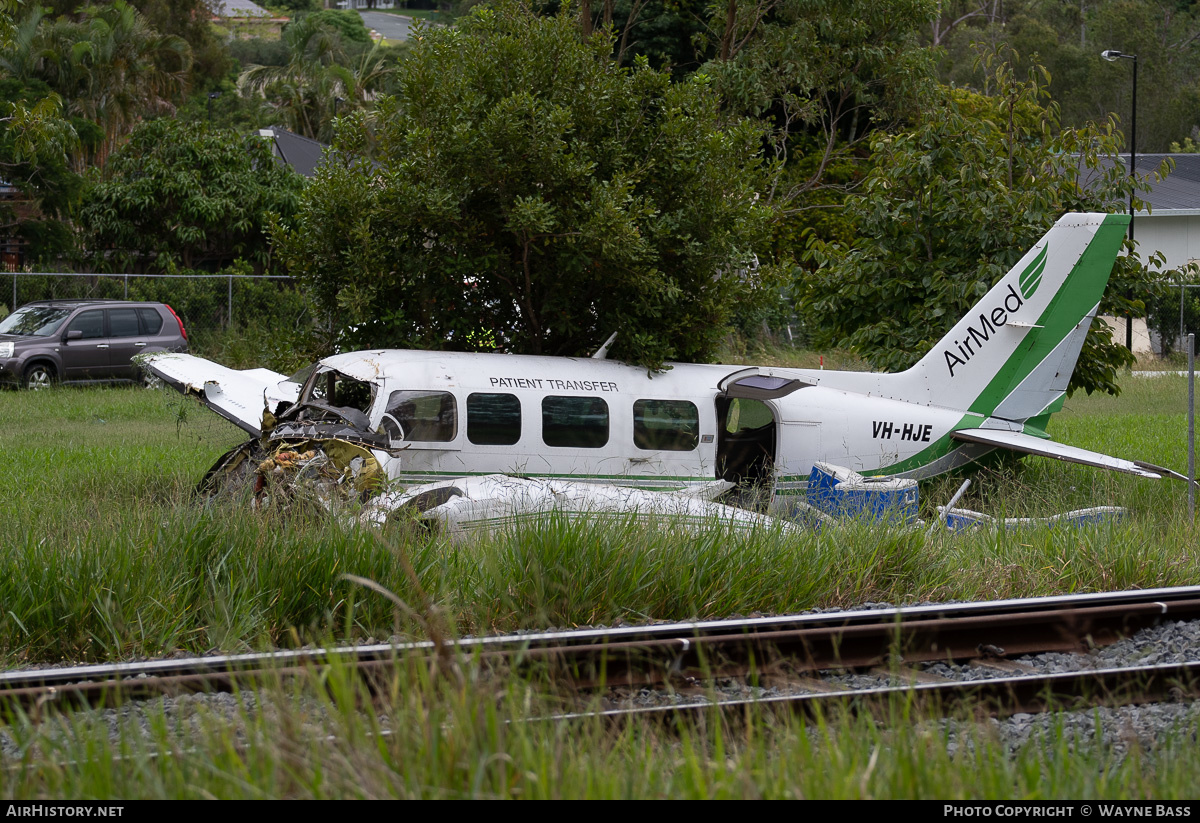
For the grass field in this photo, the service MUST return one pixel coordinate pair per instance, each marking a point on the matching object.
(105, 554)
(429, 739)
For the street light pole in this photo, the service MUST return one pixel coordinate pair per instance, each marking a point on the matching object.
(1112, 56)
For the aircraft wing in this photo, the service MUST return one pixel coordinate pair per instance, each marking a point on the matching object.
(1027, 444)
(467, 505)
(238, 396)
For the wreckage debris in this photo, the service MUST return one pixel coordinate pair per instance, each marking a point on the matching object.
(470, 505)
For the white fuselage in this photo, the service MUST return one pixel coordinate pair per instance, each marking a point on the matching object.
(610, 422)
(991, 381)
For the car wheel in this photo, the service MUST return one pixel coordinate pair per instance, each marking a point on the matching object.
(39, 376)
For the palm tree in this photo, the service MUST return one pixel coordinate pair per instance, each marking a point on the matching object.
(114, 70)
(8, 13)
(316, 84)
(22, 50)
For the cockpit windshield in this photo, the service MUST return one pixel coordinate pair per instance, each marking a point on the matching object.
(331, 395)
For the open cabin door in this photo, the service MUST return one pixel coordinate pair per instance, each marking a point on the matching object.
(748, 427)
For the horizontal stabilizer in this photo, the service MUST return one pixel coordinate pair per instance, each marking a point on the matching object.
(1027, 444)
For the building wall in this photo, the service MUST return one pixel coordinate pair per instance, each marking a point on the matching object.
(1177, 237)
(1142, 342)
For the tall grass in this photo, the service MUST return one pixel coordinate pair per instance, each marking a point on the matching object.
(105, 553)
(422, 737)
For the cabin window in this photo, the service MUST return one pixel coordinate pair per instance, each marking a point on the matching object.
(666, 425)
(574, 422)
(493, 419)
(422, 416)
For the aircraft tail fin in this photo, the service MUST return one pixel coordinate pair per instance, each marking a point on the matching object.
(1013, 353)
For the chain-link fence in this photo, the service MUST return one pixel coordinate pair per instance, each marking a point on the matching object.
(1171, 314)
(1184, 313)
(250, 320)
(237, 319)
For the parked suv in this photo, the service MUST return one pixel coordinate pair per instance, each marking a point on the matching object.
(84, 341)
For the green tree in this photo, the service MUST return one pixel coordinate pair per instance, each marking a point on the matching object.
(947, 210)
(316, 84)
(348, 24)
(113, 69)
(186, 195)
(529, 190)
(1174, 314)
(824, 73)
(35, 139)
(34, 143)
(190, 20)
(669, 33)
(297, 6)
(1067, 36)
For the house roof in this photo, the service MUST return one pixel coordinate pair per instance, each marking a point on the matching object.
(301, 153)
(238, 8)
(1179, 190)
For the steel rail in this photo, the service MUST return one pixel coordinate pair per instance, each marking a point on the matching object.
(1172, 602)
(658, 653)
(997, 697)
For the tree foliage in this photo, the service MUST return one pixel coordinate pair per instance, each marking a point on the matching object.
(34, 143)
(665, 32)
(1174, 310)
(186, 195)
(949, 208)
(1067, 38)
(35, 139)
(109, 67)
(297, 6)
(189, 20)
(825, 72)
(320, 80)
(531, 191)
(822, 75)
(348, 24)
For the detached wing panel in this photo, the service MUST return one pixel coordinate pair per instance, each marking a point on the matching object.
(238, 396)
(1027, 444)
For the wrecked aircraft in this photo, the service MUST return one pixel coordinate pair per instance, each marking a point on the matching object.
(372, 422)
(466, 505)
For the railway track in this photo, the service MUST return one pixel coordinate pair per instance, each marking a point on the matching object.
(893, 640)
(997, 697)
